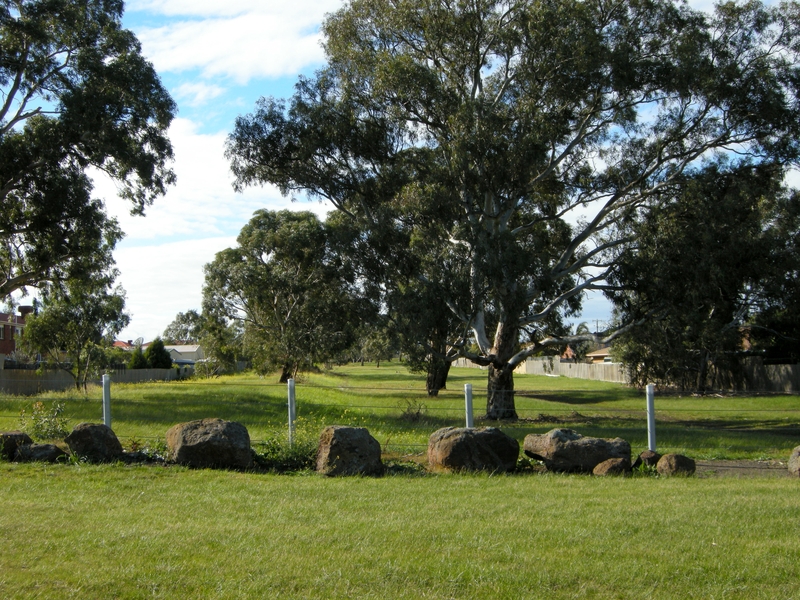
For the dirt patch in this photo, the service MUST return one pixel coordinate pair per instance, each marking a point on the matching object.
(743, 469)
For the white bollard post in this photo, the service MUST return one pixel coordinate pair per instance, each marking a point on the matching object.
(107, 400)
(468, 402)
(651, 417)
(292, 411)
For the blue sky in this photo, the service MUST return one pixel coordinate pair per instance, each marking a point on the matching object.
(216, 59)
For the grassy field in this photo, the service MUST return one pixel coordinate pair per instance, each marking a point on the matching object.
(113, 531)
(79, 531)
(393, 405)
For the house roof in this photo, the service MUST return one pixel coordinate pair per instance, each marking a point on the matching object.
(183, 348)
(601, 352)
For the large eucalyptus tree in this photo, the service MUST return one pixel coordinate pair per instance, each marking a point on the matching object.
(509, 139)
(75, 93)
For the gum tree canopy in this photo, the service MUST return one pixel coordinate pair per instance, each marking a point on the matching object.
(510, 139)
(75, 92)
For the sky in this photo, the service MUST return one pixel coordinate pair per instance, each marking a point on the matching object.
(216, 59)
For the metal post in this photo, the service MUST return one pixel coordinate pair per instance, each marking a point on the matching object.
(292, 411)
(107, 400)
(468, 402)
(651, 417)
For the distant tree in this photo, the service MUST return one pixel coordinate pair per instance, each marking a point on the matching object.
(186, 328)
(76, 93)
(138, 360)
(74, 324)
(287, 288)
(157, 356)
(701, 273)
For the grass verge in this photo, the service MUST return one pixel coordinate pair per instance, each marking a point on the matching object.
(152, 532)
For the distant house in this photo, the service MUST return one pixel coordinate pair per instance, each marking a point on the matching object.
(599, 356)
(11, 327)
(185, 354)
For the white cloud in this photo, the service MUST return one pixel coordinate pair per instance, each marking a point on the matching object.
(238, 40)
(162, 256)
(197, 94)
(163, 280)
(202, 203)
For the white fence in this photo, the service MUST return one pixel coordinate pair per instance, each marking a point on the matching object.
(758, 376)
(597, 371)
(543, 366)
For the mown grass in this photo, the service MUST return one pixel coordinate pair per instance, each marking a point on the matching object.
(79, 531)
(114, 531)
(392, 404)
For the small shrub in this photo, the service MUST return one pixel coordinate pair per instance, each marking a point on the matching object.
(412, 411)
(45, 423)
(276, 455)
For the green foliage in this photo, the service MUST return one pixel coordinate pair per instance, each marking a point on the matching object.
(275, 454)
(138, 360)
(76, 324)
(287, 288)
(43, 423)
(466, 143)
(700, 272)
(77, 93)
(186, 328)
(157, 356)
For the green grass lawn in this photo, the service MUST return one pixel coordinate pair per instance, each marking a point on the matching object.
(113, 531)
(79, 531)
(385, 400)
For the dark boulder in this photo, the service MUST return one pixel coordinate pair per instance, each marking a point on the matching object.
(675, 464)
(40, 453)
(613, 466)
(10, 441)
(467, 449)
(348, 451)
(94, 442)
(568, 451)
(210, 443)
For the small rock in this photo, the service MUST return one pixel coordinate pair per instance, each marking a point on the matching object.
(210, 443)
(648, 458)
(10, 441)
(461, 448)
(348, 451)
(794, 462)
(95, 442)
(613, 466)
(40, 453)
(567, 450)
(675, 464)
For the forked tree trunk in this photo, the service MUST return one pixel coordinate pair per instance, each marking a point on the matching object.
(500, 388)
(286, 373)
(500, 394)
(436, 380)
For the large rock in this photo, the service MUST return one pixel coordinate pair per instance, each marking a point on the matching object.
(210, 443)
(11, 440)
(794, 462)
(40, 453)
(613, 466)
(348, 451)
(95, 442)
(568, 451)
(461, 448)
(675, 464)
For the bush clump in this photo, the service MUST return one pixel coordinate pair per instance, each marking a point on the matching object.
(278, 456)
